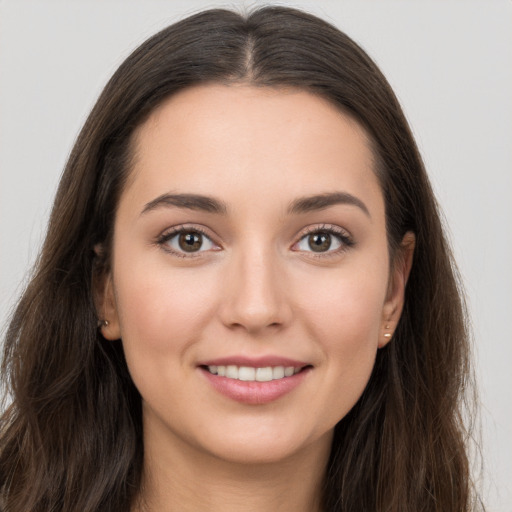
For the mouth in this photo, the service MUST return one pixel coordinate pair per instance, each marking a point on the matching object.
(255, 382)
(254, 374)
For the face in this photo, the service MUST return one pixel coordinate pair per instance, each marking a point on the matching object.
(250, 283)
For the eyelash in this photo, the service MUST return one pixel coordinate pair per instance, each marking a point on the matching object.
(165, 237)
(343, 236)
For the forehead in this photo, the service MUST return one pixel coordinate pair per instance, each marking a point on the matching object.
(231, 140)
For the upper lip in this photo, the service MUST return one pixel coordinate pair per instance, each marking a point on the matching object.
(254, 362)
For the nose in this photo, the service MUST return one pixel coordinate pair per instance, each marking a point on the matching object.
(254, 297)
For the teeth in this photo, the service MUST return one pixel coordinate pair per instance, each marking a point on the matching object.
(250, 374)
(246, 373)
(231, 372)
(289, 371)
(280, 371)
(264, 374)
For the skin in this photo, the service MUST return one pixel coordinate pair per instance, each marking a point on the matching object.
(256, 289)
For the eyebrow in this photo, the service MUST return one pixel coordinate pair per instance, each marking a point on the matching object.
(189, 201)
(211, 205)
(321, 201)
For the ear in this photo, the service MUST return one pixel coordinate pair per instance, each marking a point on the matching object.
(398, 277)
(105, 300)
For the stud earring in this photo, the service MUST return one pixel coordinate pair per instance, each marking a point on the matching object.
(103, 323)
(387, 335)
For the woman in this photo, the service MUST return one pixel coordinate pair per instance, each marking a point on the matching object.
(245, 299)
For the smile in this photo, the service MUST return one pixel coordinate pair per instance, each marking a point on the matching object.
(255, 382)
(251, 374)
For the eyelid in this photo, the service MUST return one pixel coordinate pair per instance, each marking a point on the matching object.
(345, 238)
(168, 234)
(342, 234)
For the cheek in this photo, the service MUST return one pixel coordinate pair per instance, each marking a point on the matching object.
(345, 304)
(343, 314)
(162, 314)
(160, 307)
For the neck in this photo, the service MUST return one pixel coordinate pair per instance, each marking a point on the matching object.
(179, 477)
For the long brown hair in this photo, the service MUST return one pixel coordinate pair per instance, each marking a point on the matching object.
(71, 438)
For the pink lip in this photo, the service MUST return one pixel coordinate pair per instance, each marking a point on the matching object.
(254, 362)
(255, 393)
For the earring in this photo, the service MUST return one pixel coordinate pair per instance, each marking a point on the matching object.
(387, 335)
(103, 323)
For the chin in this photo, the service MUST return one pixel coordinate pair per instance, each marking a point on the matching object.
(272, 447)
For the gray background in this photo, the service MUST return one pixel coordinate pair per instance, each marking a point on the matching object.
(450, 64)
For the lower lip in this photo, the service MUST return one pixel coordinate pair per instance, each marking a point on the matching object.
(255, 393)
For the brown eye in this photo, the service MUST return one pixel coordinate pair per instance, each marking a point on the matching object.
(323, 241)
(190, 241)
(186, 241)
(320, 241)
